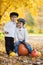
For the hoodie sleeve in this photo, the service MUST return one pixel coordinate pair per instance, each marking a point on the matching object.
(5, 27)
(15, 36)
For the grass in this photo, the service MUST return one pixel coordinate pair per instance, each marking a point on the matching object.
(30, 34)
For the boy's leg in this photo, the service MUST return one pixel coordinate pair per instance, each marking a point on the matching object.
(9, 44)
(16, 46)
(28, 46)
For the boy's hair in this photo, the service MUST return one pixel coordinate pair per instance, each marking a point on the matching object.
(14, 14)
(21, 20)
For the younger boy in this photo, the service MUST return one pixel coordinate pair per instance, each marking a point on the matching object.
(9, 29)
(22, 36)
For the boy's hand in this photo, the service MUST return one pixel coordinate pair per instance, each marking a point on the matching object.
(15, 40)
(6, 32)
(27, 42)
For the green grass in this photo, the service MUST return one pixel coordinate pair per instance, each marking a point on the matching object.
(1, 35)
(30, 34)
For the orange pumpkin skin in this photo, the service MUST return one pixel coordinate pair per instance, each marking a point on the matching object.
(22, 50)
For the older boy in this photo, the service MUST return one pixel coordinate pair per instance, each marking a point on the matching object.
(9, 29)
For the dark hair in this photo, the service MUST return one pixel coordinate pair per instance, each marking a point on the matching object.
(21, 20)
(14, 14)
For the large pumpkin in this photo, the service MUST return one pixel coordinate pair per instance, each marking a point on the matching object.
(22, 50)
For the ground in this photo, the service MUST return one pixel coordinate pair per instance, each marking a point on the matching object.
(22, 60)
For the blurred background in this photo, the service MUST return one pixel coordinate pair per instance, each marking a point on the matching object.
(31, 11)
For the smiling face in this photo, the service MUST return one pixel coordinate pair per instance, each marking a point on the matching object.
(20, 24)
(13, 18)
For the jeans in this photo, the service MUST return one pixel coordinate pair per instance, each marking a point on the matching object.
(28, 46)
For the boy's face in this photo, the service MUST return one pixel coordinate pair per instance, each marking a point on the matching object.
(13, 18)
(20, 24)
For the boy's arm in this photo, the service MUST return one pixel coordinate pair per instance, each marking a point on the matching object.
(15, 37)
(5, 29)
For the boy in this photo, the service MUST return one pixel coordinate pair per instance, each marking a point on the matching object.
(9, 29)
(22, 36)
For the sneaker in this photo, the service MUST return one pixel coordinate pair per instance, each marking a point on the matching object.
(16, 54)
(34, 53)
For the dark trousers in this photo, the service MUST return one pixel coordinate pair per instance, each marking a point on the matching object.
(9, 44)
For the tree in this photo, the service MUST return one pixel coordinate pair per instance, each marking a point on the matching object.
(30, 22)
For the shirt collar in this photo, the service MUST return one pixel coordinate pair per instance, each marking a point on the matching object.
(20, 29)
(13, 22)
